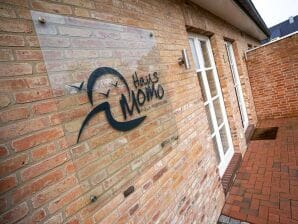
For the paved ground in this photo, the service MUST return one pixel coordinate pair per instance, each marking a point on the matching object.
(266, 186)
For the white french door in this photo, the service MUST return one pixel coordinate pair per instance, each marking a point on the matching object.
(213, 100)
(237, 84)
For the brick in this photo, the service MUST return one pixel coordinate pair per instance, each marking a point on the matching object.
(6, 55)
(51, 7)
(43, 151)
(4, 101)
(23, 13)
(7, 12)
(13, 84)
(81, 12)
(44, 107)
(111, 218)
(69, 115)
(3, 151)
(37, 81)
(64, 200)
(56, 219)
(11, 40)
(24, 127)
(33, 95)
(15, 214)
(7, 183)
(14, 114)
(12, 164)
(133, 209)
(32, 41)
(41, 167)
(55, 200)
(54, 191)
(28, 55)
(76, 205)
(36, 139)
(37, 185)
(273, 99)
(38, 216)
(23, 3)
(159, 174)
(15, 26)
(80, 3)
(15, 69)
(3, 205)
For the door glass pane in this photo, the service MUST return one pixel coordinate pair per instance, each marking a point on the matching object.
(218, 112)
(194, 53)
(202, 86)
(207, 107)
(205, 54)
(215, 146)
(211, 83)
(224, 139)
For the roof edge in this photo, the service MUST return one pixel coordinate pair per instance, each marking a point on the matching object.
(248, 7)
(272, 42)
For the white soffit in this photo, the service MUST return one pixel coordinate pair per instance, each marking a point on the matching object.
(229, 11)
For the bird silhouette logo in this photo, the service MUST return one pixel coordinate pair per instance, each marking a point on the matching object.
(105, 106)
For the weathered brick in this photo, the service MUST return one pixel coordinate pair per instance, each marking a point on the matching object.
(15, 26)
(6, 55)
(51, 7)
(4, 101)
(32, 41)
(12, 164)
(37, 185)
(53, 192)
(8, 12)
(15, 214)
(56, 219)
(14, 114)
(23, 3)
(14, 69)
(44, 166)
(3, 205)
(81, 3)
(11, 40)
(65, 199)
(28, 55)
(81, 12)
(33, 95)
(7, 183)
(13, 84)
(43, 151)
(69, 115)
(24, 127)
(37, 216)
(3, 151)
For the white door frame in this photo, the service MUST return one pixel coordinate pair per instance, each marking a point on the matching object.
(237, 84)
(225, 157)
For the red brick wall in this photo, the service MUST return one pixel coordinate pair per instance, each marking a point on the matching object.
(273, 74)
(39, 181)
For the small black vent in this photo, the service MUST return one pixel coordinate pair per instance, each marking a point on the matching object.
(129, 191)
(265, 133)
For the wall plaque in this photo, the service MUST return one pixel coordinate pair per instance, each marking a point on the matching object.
(107, 78)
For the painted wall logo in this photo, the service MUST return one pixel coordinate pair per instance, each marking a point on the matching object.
(146, 88)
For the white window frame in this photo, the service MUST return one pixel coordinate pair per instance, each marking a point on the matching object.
(224, 158)
(237, 84)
